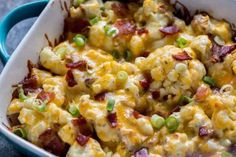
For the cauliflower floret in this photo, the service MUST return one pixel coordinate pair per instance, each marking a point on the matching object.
(67, 133)
(30, 117)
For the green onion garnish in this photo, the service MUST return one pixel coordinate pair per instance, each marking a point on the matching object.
(122, 76)
(183, 100)
(181, 42)
(39, 105)
(110, 104)
(20, 132)
(209, 80)
(74, 111)
(79, 40)
(171, 124)
(80, 1)
(110, 31)
(116, 54)
(226, 154)
(22, 95)
(128, 55)
(94, 20)
(157, 121)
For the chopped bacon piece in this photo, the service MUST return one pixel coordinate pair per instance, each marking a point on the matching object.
(83, 126)
(182, 56)
(120, 9)
(46, 96)
(143, 152)
(100, 96)
(76, 25)
(145, 53)
(81, 65)
(70, 79)
(155, 95)
(219, 52)
(125, 27)
(136, 114)
(182, 12)
(111, 117)
(52, 142)
(203, 131)
(142, 31)
(144, 84)
(82, 140)
(202, 93)
(170, 30)
(13, 119)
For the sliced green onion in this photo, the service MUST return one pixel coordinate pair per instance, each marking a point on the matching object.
(181, 42)
(122, 76)
(22, 95)
(20, 132)
(183, 100)
(172, 124)
(78, 2)
(74, 111)
(94, 20)
(110, 31)
(128, 55)
(110, 104)
(39, 105)
(226, 154)
(116, 54)
(209, 80)
(79, 40)
(157, 121)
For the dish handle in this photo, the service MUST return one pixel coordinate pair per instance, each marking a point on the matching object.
(18, 14)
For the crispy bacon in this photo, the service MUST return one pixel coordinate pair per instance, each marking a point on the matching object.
(83, 126)
(111, 117)
(76, 25)
(219, 52)
(182, 12)
(49, 96)
(155, 95)
(120, 9)
(143, 152)
(81, 65)
(125, 27)
(136, 114)
(52, 142)
(203, 131)
(100, 96)
(142, 31)
(70, 79)
(13, 119)
(182, 56)
(170, 30)
(82, 140)
(144, 84)
(202, 93)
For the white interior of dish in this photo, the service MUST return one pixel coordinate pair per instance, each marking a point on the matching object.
(51, 22)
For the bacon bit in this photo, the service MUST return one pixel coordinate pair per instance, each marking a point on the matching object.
(142, 31)
(170, 30)
(82, 140)
(100, 96)
(202, 93)
(155, 95)
(182, 12)
(120, 9)
(70, 79)
(46, 96)
(13, 119)
(219, 52)
(232, 149)
(144, 84)
(136, 114)
(111, 117)
(125, 27)
(52, 142)
(81, 65)
(83, 126)
(76, 25)
(145, 53)
(203, 131)
(143, 152)
(182, 56)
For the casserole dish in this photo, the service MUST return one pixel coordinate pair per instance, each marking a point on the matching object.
(35, 41)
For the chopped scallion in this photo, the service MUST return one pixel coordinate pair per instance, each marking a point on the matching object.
(79, 40)
(172, 123)
(39, 105)
(183, 100)
(110, 105)
(110, 31)
(74, 111)
(22, 95)
(94, 20)
(128, 55)
(181, 42)
(20, 132)
(209, 80)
